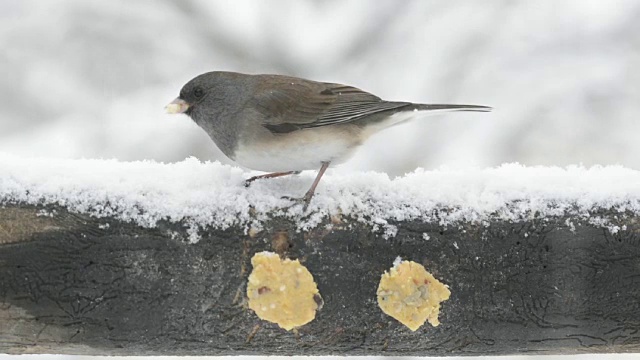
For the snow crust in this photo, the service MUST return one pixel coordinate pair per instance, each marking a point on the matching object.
(210, 194)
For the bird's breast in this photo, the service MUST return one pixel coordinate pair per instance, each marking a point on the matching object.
(298, 150)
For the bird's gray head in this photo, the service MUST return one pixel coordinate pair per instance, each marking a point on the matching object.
(210, 96)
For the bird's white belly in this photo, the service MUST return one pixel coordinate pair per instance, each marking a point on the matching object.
(298, 150)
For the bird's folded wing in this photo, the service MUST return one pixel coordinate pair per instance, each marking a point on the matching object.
(292, 104)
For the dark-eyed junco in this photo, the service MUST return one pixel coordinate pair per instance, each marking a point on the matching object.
(283, 125)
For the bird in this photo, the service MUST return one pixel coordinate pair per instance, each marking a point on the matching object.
(283, 125)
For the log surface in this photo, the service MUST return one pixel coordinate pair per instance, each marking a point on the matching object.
(75, 284)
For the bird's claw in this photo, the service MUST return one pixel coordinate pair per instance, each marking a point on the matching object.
(250, 180)
(305, 200)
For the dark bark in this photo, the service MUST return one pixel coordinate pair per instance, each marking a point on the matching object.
(70, 284)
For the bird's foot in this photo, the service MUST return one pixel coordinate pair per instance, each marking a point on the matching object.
(250, 180)
(304, 201)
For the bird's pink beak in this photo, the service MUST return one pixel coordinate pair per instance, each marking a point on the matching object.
(177, 106)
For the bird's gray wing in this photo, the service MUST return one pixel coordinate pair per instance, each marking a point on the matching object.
(289, 104)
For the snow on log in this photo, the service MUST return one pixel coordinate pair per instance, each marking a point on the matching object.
(140, 258)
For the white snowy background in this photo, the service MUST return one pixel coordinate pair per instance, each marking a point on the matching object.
(90, 78)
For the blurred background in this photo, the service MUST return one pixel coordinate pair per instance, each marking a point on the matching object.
(90, 78)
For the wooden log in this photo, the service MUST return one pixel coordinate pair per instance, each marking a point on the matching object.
(74, 284)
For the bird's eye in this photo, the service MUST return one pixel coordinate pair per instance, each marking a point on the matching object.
(198, 92)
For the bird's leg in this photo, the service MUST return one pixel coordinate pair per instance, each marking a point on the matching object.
(248, 182)
(307, 197)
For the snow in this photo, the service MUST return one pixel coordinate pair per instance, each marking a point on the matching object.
(211, 194)
(397, 261)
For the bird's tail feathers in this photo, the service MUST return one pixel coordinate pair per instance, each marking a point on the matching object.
(411, 111)
(446, 107)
